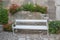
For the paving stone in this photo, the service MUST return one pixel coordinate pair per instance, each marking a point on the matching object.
(21, 39)
(10, 36)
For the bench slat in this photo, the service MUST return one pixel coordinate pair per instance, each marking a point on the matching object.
(31, 27)
(31, 20)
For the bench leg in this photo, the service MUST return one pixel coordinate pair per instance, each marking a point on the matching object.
(48, 34)
(13, 31)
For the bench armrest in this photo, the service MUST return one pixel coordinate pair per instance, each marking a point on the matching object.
(13, 25)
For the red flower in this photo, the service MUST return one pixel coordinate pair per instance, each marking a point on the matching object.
(14, 6)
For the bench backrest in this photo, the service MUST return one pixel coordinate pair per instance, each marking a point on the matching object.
(20, 20)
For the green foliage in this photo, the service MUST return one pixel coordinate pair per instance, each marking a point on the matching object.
(28, 7)
(34, 8)
(13, 11)
(3, 16)
(54, 27)
(40, 9)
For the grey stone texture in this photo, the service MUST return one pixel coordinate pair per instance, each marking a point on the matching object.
(27, 36)
(27, 15)
(49, 3)
(6, 3)
(51, 9)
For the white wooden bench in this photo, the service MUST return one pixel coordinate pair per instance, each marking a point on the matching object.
(30, 27)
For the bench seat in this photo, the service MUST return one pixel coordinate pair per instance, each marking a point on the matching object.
(36, 27)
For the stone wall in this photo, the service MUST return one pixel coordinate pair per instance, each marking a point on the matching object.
(57, 4)
(40, 2)
(51, 9)
(49, 3)
(6, 3)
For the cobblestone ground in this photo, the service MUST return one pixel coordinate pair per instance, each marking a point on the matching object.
(27, 36)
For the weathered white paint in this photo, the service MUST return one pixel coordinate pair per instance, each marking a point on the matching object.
(31, 27)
